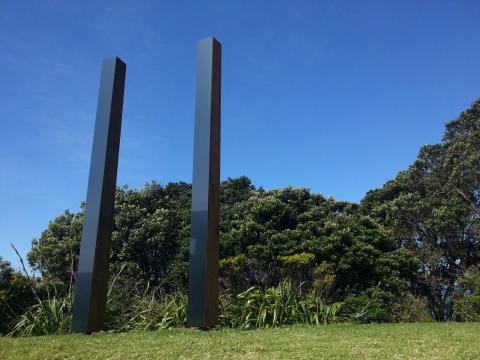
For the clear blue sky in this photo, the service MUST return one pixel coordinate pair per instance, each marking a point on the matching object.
(336, 96)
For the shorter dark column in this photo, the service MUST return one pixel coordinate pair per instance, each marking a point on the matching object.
(92, 276)
(203, 270)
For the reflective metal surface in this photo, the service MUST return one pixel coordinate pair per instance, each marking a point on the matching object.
(203, 267)
(92, 276)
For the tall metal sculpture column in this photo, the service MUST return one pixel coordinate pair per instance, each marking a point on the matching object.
(92, 276)
(203, 272)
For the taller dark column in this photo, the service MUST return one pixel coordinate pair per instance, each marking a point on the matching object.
(92, 276)
(203, 271)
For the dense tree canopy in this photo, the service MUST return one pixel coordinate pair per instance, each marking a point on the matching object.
(433, 209)
(263, 227)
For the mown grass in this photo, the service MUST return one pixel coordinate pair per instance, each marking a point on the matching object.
(381, 341)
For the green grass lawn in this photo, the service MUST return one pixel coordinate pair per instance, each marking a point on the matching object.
(384, 341)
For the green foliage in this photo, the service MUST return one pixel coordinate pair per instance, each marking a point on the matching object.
(297, 261)
(265, 237)
(151, 313)
(132, 307)
(234, 263)
(324, 281)
(298, 268)
(232, 273)
(55, 253)
(15, 294)
(433, 209)
(470, 281)
(253, 308)
(276, 306)
(467, 306)
(51, 316)
(371, 306)
(410, 309)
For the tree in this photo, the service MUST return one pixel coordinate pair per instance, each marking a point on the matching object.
(55, 253)
(262, 232)
(433, 209)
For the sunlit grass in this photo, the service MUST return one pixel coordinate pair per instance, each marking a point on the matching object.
(383, 341)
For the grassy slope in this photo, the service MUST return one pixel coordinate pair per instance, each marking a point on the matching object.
(389, 341)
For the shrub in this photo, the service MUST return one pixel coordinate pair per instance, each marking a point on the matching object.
(324, 280)
(150, 313)
(234, 273)
(123, 291)
(298, 261)
(467, 306)
(410, 309)
(253, 308)
(280, 305)
(371, 306)
(51, 316)
(15, 294)
(298, 267)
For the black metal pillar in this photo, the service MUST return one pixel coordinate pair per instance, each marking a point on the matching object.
(92, 276)
(203, 271)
